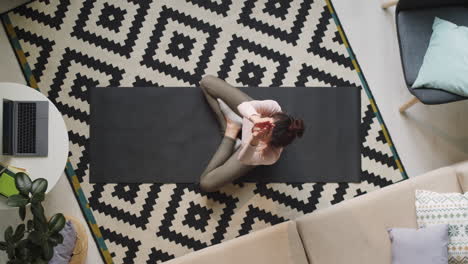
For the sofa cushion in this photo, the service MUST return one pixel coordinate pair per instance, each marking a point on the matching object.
(434, 208)
(355, 231)
(423, 245)
(279, 244)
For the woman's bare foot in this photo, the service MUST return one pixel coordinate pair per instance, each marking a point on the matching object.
(228, 113)
(233, 121)
(232, 129)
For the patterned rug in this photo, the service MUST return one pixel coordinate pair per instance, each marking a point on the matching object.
(67, 46)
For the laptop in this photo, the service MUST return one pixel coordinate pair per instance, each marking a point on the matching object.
(25, 128)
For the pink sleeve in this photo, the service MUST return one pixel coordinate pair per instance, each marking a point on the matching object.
(248, 155)
(256, 107)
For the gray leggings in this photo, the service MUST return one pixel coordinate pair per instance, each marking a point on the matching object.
(224, 167)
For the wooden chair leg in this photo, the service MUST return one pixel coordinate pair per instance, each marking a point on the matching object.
(408, 104)
(389, 3)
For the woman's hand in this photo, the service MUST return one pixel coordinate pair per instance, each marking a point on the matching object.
(258, 119)
(259, 134)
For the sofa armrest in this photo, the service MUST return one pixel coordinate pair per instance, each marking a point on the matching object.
(279, 244)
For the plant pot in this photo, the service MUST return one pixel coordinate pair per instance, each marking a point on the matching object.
(81, 247)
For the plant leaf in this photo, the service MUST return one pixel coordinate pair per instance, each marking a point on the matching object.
(56, 223)
(23, 243)
(39, 220)
(36, 238)
(38, 212)
(25, 253)
(37, 198)
(8, 234)
(19, 233)
(30, 225)
(23, 183)
(39, 225)
(47, 251)
(17, 200)
(3, 246)
(56, 239)
(22, 212)
(11, 251)
(39, 186)
(25, 250)
(39, 261)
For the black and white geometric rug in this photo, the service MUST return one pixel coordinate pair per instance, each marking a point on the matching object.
(68, 46)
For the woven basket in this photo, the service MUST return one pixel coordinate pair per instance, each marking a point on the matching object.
(81, 247)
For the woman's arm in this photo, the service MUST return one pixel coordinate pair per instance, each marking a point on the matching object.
(253, 110)
(249, 155)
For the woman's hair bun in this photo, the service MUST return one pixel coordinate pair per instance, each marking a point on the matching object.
(297, 127)
(286, 129)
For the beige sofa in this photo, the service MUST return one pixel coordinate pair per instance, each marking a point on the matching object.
(354, 231)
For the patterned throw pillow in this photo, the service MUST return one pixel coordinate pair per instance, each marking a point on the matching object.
(446, 208)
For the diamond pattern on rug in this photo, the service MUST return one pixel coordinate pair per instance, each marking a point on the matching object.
(217, 207)
(254, 215)
(282, 20)
(219, 7)
(246, 62)
(49, 13)
(131, 204)
(111, 17)
(109, 27)
(197, 217)
(170, 38)
(326, 44)
(74, 45)
(38, 53)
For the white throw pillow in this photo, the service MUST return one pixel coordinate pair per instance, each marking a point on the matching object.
(446, 208)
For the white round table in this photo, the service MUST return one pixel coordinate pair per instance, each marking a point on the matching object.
(50, 167)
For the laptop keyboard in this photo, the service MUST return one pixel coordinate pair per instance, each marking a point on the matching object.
(26, 128)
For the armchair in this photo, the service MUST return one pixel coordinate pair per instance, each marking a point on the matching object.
(414, 20)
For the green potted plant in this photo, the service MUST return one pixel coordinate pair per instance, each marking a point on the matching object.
(32, 242)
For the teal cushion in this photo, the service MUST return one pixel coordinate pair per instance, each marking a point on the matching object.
(445, 64)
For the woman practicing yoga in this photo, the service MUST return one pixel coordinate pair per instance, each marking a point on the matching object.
(265, 131)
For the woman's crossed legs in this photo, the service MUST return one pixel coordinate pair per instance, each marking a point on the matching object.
(224, 167)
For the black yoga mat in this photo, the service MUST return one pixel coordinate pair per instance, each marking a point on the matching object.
(168, 135)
